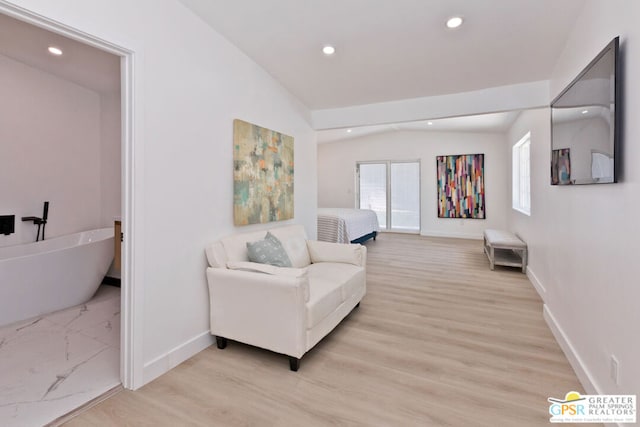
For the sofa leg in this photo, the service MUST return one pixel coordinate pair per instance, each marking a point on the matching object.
(294, 363)
(357, 305)
(221, 342)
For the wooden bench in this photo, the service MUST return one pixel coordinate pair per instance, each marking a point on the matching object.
(505, 248)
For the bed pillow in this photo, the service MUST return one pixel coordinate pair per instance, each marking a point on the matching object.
(268, 251)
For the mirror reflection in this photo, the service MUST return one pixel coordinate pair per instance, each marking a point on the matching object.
(583, 126)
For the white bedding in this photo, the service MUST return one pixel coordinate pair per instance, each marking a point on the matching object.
(343, 225)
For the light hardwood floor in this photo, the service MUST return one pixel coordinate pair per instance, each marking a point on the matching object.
(438, 340)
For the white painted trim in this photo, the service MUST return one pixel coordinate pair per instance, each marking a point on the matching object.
(132, 322)
(41, 21)
(169, 360)
(586, 379)
(536, 283)
(491, 100)
(522, 211)
(131, 362)
(472, 236)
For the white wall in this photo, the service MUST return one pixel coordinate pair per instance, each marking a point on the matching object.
(337, 186)
(584, 240)
(51, 144)
(539, 228)
(190, 83)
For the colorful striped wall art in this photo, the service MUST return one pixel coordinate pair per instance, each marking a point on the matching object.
(461, 186)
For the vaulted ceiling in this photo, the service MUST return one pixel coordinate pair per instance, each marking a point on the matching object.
(385, 49)
(394, 49)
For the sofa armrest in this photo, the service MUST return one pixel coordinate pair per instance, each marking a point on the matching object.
(264, 310)
(355, 254)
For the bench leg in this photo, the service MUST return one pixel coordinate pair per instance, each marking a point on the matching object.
(492, 259)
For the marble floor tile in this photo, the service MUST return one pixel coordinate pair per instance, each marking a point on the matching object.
(107, 332)
(86, 315)
(31, 363)
(52, 364)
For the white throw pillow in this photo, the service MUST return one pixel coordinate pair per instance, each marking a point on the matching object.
(294, 241)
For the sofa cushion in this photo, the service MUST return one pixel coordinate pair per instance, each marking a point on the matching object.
(324, 297)
(268, 251)
(350, 277)
(266, 269)
(294, 240)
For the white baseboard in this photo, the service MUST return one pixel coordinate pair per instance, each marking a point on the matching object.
(164, 363)
(536, 283)
(578, 366)
(473, 236)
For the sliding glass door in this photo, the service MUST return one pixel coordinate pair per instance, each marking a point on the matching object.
(372, 190)
(405, 196)
(392, 191)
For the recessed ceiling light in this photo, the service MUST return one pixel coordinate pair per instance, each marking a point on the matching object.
(454, 22)
(55, 50)
(328, 50)
(349, 130)
(585, 111)
(429, 123)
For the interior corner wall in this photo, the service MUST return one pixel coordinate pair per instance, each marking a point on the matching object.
(584, 240)
(337, 182)
(537, 122)
(189, 84)
(50, 135)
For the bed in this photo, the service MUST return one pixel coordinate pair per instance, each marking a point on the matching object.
(343, 225)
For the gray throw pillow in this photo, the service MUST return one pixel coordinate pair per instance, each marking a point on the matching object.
(268, 251)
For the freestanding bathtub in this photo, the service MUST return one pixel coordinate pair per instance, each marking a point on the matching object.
(42, 277)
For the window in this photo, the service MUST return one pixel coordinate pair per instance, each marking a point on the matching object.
(521, 170)
(392, 191)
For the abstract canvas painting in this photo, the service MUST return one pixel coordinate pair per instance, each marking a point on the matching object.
(561, 166)
(461, 186)
(262, 174)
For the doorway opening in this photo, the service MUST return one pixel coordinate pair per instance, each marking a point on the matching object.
(77, 121)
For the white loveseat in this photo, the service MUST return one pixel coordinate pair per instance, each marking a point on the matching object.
(285, 310)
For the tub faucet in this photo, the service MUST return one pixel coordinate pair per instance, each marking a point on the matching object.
(40, 222)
